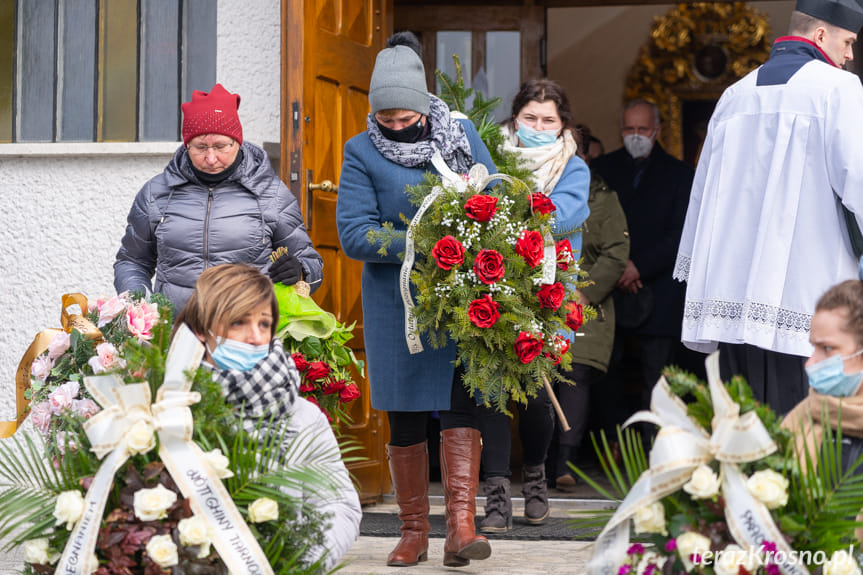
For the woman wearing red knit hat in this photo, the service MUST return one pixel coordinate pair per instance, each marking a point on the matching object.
(218, 201)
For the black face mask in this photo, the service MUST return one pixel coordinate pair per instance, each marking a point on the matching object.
(407, 135)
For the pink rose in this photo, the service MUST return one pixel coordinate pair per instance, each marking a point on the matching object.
(40, 416)
(110, 309)
(141, 318)
(61, 398)
(106, 358)
(59, 344)
(65, 440)
(86, 408)
(42, 367)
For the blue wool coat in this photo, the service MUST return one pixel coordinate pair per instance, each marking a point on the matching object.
(371, 192)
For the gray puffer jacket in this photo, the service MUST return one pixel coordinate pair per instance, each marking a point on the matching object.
(178, 227)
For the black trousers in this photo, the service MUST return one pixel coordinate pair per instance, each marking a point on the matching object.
(575, 402)
(535, 427)
(777, 379)
(411, 427)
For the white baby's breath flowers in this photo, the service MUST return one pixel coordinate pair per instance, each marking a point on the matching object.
(141, 437)
(841, 563)
(690, 545)
(703, 484)
(650, 519)
(69, 508)
(732, 558)
(768, 487)
(219, 463)
(195, 530)
(163, 551)
(263, 509)
(153, 504)
(38, 552)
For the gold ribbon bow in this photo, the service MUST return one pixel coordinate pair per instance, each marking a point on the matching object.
(40, 343)
(112, 435)
(681, 446)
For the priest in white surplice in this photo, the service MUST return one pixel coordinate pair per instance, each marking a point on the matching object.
(765, 235)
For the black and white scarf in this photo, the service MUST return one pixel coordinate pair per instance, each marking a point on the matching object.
(268, 390)
(447, 135)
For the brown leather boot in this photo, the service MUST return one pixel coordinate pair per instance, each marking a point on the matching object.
(409, 468)
(459, 464)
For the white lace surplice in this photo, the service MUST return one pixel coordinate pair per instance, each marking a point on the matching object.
(764, 236)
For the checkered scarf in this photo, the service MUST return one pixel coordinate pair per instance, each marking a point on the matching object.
(268, 390)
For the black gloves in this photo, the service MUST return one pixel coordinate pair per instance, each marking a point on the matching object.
(287, 270)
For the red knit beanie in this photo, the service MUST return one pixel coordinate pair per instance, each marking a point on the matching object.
(212, 113)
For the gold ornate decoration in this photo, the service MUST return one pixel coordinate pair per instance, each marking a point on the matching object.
(695, 52)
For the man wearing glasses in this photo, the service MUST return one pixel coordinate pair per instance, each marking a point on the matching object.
(218, 201)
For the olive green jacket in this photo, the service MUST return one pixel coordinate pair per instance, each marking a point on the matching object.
(605, 250)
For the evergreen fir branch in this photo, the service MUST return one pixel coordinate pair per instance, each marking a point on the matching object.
(384, 237)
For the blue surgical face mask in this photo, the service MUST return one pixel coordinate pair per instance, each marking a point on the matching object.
(828, 377)
(232, 354)
(531, 138)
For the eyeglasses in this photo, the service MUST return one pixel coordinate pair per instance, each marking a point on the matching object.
(201, 149)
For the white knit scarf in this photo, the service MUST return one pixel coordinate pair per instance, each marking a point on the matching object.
(546, 162)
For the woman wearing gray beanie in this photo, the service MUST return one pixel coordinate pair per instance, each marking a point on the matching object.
(406, 126)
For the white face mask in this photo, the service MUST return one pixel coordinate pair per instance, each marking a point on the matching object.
(637, 145)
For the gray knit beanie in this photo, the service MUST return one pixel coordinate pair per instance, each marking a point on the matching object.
(399, 81)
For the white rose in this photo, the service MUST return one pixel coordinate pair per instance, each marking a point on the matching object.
(195, 530)
(38, 552)
(162, 551)
(732, 558)
(219, 463)
(768, 487)
(841, 563)
(42, 367)
(140, 438)
(69, 508)
(92, 566)
(650, 519)
(263, 509)
(690, 544)
(152, 504)
(703, 484)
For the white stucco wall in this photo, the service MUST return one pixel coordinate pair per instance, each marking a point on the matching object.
(65, 205)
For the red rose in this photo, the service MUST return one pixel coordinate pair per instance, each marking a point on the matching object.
(481, 207)
(483, 312)
(527, 347)
(488, 266)
(317, 370)
(564, 254)
(448, 253)
(313, 399)
(306, 387)
(349, 393)
(550, 295)
(575, 317)
(530, 246)
(300, 361)
(561, 346)
(333, 386)
(541, 204)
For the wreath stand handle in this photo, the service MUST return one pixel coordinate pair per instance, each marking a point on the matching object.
(564, 424)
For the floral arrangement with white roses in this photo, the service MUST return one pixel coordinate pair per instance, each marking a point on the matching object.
(711, 501)
(148, 526)
(491, 278)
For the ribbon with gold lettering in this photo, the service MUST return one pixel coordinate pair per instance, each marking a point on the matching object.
(126, 406)
(478, 178)
(40, 343)
(681, 446)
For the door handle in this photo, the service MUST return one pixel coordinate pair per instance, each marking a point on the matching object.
(325, 186)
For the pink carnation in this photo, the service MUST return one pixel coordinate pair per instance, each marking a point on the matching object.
(61, 398)
(42, 367)
(110, 309)
(40, 416)
(141, 319)
(59, 344)
(86, 408)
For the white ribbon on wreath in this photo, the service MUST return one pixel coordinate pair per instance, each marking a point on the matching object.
(477, 178)
(124, 406)
(681, 445)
